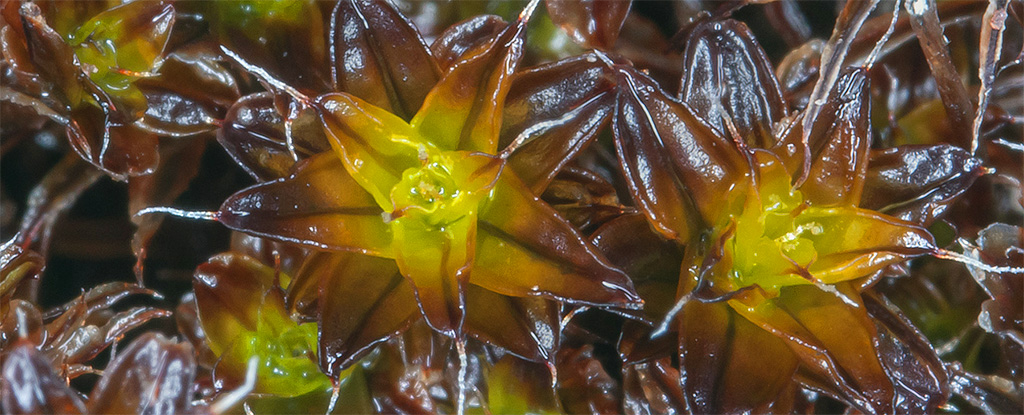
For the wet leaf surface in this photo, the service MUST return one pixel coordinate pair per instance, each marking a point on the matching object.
(29, 385)
(918, 183)
(594, 24)
(379, 57)
(730, 80)
(553, 113)
(254, 134)
(151, 374)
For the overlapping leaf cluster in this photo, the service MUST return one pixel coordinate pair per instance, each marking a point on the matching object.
(568, 207)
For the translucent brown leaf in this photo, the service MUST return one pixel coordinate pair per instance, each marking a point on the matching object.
(178, 166)
(526, 327)
(729, 78)
(584, 385)
(583, 198)
(230, 290)
(460, 38)
(190, 95)
(833, 56)
(362, 301)
(16, 264)
(652, 262)
(918, 183)
(507, 393)
(652, 388)
(727, 363)
(552, 113)
(29, 385)
(833, 336)
(917, 374)
(664, 148)
(151, 374)
(925, 21)
(379, 56)
(839, 157)
(524, 249)
(254, 134)
(318, 205)
(593, 24)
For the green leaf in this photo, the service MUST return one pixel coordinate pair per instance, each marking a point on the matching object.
(463, 112)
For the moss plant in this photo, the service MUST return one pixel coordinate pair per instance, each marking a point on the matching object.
(491, 207)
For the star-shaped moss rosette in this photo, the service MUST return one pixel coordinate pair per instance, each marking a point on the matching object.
(776, 248)
(111, 73)
(432, 201)
(241, 306)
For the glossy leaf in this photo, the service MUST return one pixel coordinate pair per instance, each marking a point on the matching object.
(465, 36)
(438, 262)
(98, 298)
(919, 378)
(664, 149)
(287, 39)
(791, 23)
(21, 319)
(178, 166)
(362, 301)
(319, 205)
(583, 198)
(243, 314)
(230, 290)
(526, 327)
(1000, 243)
(833, 55)
(151, 374)
(376, 146)
(584, 386)
(644, 43)
(16, 264)
(52, 57)
(555, 111)
(29, 385)
(120, 150)
(839, 157)
(727, 363)
(729, 76)
(254, 134)
(353, 398)
(987, 393)
(189, 96)
(186, 318)
(378, 56)
(401, 380)
(651, 262)
(594, 24)
(798, 72)
(121, 44)
(521, 238)
(82, 341)
(84, 327)
(918, 183)
(835, 144)
(464, 110)
(832, 334)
